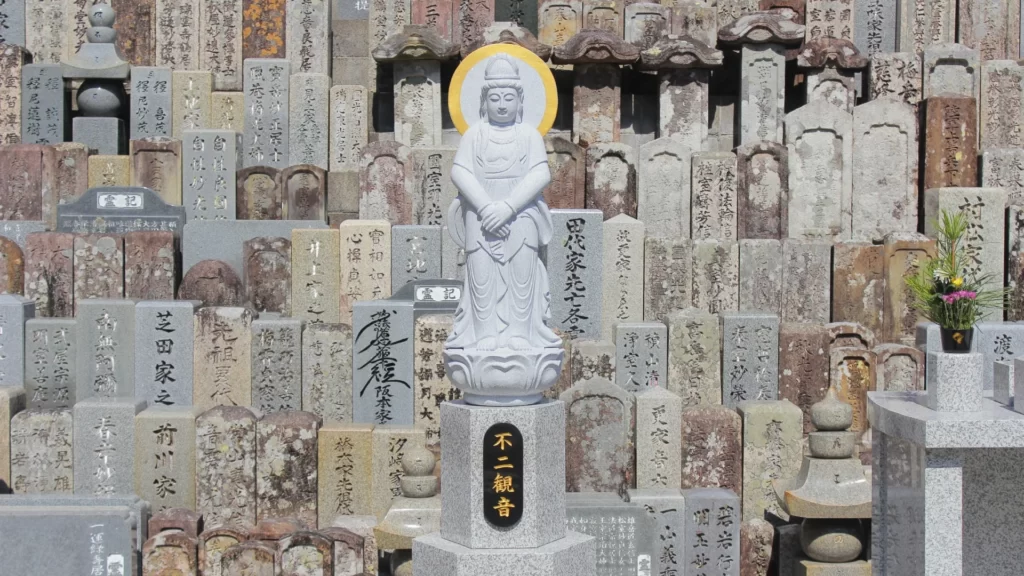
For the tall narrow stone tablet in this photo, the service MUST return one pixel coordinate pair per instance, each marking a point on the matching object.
(852, 375)
(762, 190)
(190, 100)
(50, 353)
(150, 265)
(41, 452)
(221, 36)
(1004, 168)
(763, 92)
(99, 266)
(418, 103)
(875, 27)
(622, 267)
(641, 355)
(951, 136)
(286, 466)
(899, 368)
(387, 16)
(858, 287)
(12, 271)
(136, 27)
(665, 508)
(663, 188)
(984, 241)
(434, 190)
(386, 183)
(683, 105)
(210, 161)
(589, 359)
(105, 445)
(345, 466)
(72, 172)
(305, 186)
(713, 188)
(227, 111)
(803, 366)
(27, 191)
(559, 20)
(316, 272)
(106, 348)
(49, 272)
(645, 23)
(163, 352)
(1014, 261)
(165, 457)
(712, 525)
(226, 467)
(151, 108)
(821, 185)
(711, 448)
(276, 364)
(611, 179)
(828, 19)
(474, 18)
(694, 357)
(12, 402)
(258, 194)
(43, 119)
(156, 164)
(389, 446)
(107, 170)
(438, 14)
(806, 273)
(222, 357)
(603, 15)
(760, 281)
(308, 106)
(382, 362)
(924, 23)
(896, 75)
(658, 439)
(349, 126)
(327, 371)
(45, 32)
(1002, 105)
(574, 260)
(750, 357)
(266, 141)
(432, 386)
(668, 267)
(716, 271)
(599, 416)
(12, 59)
(415, 254)
(885, 150)
(264, 33)
(951, 69)
(178, 39)
(366, 262)
(992, 28)
(771, 451)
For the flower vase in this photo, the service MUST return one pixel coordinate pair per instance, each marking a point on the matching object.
(956, 341)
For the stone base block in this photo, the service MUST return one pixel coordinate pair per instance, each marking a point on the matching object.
(812, 568)
(104, 135)
(1002, 382)
(574, 555)
(464, 428)
(955, 381)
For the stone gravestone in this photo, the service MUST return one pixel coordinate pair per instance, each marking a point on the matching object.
(266, 85)
(641, 355)
(992, 28)
(309, 105)
(222, 357)
(156, 164)
(286, 466)
(1004, 168)
(45, 33)
(711, 452)
(924, 23)
(211, 160)
(559, 20)
(904, 255)
(276, 364)
(327, 371)
(951, 69)
(12, 59)
(258, 194)
(264, 33)
(49, 272)
(43, 102)
(51, 350)
(658, 438)
(27, 192)
(664, 193)
(177, 38)
(750, 357)
(119, 210)
(716, 271)
(417, 89)
(896, 75)
(104, 451)
(150, 265)
(386, 183)
(852, 375)
(622, 261)
(999, 342)
(763, 90)
(305, 187)
(668, 273)
(771, 451)
(213, 543)
(885, 150)
(625, 533)
(267, 274)
(951, 136)
(666, 507)
(611, 179)
(106, 348)
(415, 254)
(226, 111)
(41, 452)
(316, 270)
(806, 271)
(437, 15)
(171, 551)
(762, 191)
(163, 352)
(165, 457)
(349, 126)
(106, 170)
(694, 357)
(222, 33)
(151, 102)
(389, 445)
(432, 386)
(1001, 106)
(568, 173)
(858, 273)
(72, 173)
(589, 359)
(222, 241)
(713, 190)
(600, 418)
(435, 190)
(761, 276)
(382, 368)
(12, 269)
(306, 551)
(366, 250)
(226, 467)
(712, 529)
(574, 258)
(211, 283)
(899, 368)
(191, 100)
(345, 465)
(67, 538)
(821, 186)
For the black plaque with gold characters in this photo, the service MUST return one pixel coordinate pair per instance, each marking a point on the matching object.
(503, 475)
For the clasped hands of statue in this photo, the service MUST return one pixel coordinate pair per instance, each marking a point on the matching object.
(496, 217)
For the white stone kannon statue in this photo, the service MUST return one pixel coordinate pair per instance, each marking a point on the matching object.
(501, 351)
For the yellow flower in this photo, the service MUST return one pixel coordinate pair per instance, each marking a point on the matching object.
(957, 282)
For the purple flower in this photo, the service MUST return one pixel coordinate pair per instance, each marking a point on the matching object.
(958, 295)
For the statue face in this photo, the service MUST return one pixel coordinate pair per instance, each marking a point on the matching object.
(502, 105)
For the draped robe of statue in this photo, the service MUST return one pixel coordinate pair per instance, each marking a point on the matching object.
(506, 300)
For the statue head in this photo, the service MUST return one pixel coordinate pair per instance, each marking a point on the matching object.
(501, 97)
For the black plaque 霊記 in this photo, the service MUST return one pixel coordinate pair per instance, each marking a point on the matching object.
(503, 475)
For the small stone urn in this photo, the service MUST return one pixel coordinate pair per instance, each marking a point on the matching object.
(415, 513)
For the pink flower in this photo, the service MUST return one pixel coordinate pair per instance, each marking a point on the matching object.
(951, 298)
